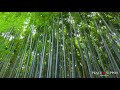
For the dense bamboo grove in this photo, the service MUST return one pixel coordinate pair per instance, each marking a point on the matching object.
(59, 44)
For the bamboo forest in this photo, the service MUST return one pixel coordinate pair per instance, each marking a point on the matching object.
(59, 45)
